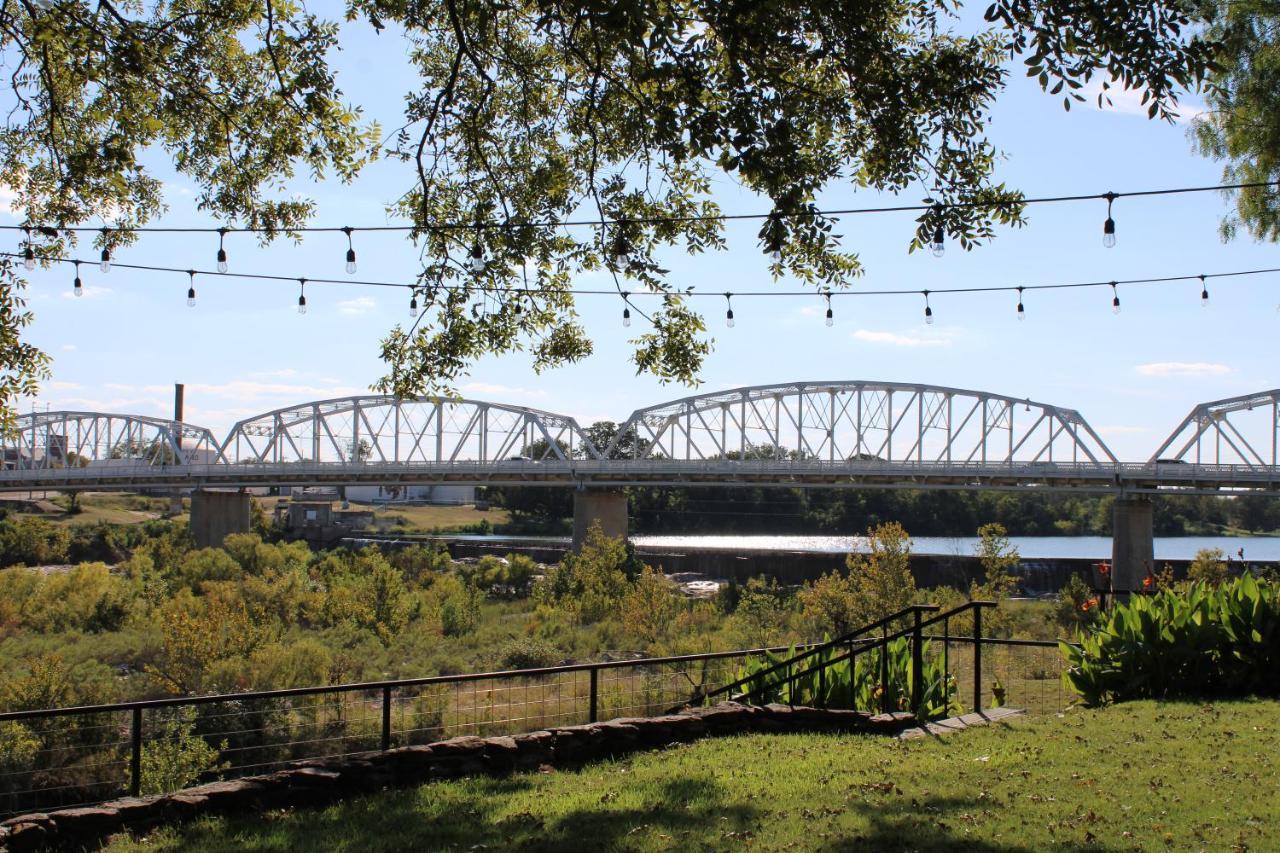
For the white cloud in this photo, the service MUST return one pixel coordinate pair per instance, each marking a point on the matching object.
(359, 305)
(286, 394)
(284, 373)
(1129, 101)
(892, 339)
(56, 385)
(68, 347)
(91, 291)
(1182, 369)
(506, 390)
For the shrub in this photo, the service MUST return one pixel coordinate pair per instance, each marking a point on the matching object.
(761, 615)
(528, 653)
(175, 757)
(1209, 566)
(651, 606)
(1199, 640)
(589, 585)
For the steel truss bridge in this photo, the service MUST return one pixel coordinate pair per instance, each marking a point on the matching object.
(849, 434)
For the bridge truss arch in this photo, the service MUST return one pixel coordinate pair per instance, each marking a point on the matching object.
(385, 429)
(1242, 430)
(67, 439)
(858, 421)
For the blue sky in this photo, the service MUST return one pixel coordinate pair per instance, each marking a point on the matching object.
(245, 350)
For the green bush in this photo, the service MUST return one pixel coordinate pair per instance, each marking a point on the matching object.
(528, 653)
(1193, 640)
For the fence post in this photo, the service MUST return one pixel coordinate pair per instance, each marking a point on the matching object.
(977, 658)
(917, 666)
(595, 694)
(386, 717)
(884, 669)
(853, 681)
(135, 761)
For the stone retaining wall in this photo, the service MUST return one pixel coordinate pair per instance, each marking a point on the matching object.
(317, 782)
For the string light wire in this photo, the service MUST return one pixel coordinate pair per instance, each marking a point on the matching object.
(1109, 197)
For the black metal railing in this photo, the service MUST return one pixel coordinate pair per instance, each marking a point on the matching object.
(83, 755)
(62, 757)
(819, 659)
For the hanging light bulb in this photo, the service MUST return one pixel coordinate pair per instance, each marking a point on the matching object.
(222, 251)
(1109, 227)
(28, 253)
(626, 310)
(1022, 313)
(728, 314)
(939, 244)
(191, 291)
(620, 250)
(1115, 299)
(928, 311)
(105, 263)
(302, 296)
(831, 319)
(413, 305)
(1026, 405)
(78, 287)
(1204, 293)
(351, 251)
(475, 261)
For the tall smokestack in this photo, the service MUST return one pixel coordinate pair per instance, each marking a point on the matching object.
(178, 389)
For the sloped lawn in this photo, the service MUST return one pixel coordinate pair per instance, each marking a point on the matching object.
(1143, 775)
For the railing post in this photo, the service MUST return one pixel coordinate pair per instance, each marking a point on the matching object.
(135, 761)
(884, 669)
(977, 658)
(917, 665)
(386, 717)
(595, 694)
(853, 681)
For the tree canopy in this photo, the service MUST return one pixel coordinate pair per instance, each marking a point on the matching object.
(527, 114)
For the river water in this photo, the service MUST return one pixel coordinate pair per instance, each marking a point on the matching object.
(1259, 548)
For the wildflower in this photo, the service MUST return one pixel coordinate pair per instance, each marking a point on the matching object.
(1089, 605)
(1146, 582)
(1104, 569)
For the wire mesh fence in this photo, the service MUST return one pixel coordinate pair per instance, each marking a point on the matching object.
(63, 757)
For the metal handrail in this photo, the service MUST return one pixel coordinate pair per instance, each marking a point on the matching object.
(857, 648)
(842, 640)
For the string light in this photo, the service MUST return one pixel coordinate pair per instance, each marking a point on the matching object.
(621, 249)
(475, 261)
(1204, 293)
(626, 310)
(1022, 314)
(191, 290)
(105, 259)
(413, 305)
(302, 296)
(939, 245)
(1109, 227)
(28, 253)
(501, 291)
(831, 320)
(78, 287)
(351, 251)
(1115, 299)
(928, 310)
(728, 314)
(222, 250)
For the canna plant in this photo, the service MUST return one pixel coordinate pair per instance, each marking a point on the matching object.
(1192, 640)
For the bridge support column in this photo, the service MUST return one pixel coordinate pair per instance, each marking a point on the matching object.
(215, 515)
(608, 507)
(1132, 543)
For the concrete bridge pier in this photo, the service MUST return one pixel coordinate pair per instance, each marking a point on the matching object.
(215, 515)
(606, 506)
(1132, 543)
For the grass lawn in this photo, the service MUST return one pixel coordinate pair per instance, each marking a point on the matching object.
(1140, 776)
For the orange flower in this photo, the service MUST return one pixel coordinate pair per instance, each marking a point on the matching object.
(1146, 582)
(1104, 569)
(1085, 607)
